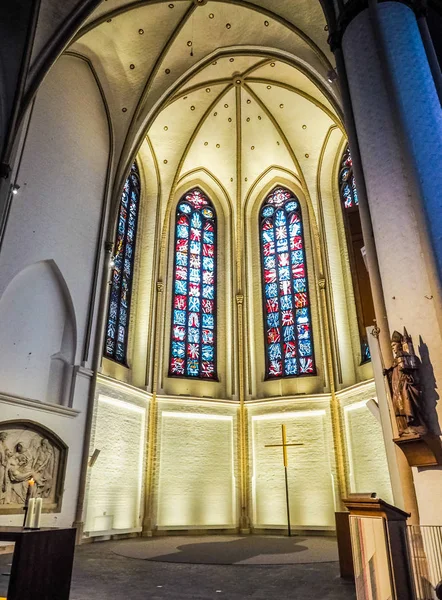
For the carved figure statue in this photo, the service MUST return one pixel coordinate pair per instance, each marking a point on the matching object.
(403, 378)
(5, 454)
(43, 465)
(25, 454)
(20, 472)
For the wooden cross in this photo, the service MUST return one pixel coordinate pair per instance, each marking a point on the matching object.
(284, 447)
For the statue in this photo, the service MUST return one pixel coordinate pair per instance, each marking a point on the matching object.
(403, 379)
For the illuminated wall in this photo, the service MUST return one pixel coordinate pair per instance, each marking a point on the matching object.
(310, 471)
(196, 466)
(367, 459)
(116, 479)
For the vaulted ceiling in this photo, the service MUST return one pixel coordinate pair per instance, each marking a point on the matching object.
(234, 87)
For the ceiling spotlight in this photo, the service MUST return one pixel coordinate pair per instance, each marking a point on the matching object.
(331, 76)
(15, 189)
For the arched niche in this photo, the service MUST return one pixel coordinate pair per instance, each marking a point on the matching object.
(223, 386)
(30, 450)
(38, 340)
(258, 385)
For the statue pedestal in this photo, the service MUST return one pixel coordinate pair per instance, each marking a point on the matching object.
(421, 450)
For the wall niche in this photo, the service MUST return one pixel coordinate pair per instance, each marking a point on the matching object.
(29, 450)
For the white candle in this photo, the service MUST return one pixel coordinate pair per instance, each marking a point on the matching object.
(38, 508)
(30, 514)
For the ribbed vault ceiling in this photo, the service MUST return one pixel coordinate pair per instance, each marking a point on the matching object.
(231, 87)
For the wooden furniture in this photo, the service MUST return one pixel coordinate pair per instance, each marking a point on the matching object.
(344, 545)
(41, 564)
(380, 550)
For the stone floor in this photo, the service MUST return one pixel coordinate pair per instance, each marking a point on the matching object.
(100, 574)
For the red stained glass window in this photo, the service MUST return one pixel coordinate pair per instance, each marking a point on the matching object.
(193, 343)
(287, 320)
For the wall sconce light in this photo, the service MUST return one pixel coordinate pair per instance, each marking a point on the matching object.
(331, 76)
(15, 188)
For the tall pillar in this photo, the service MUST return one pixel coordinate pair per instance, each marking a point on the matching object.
(17, 29)
(398, 128)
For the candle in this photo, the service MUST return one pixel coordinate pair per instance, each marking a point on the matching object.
(29, 491)
(38, 509)
(30, 514)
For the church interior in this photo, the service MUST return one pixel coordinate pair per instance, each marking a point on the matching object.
(220, 274)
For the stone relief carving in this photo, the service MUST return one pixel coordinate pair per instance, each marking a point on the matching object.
(27, 453)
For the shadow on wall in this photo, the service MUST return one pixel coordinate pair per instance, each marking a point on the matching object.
(37, 335)
(429, 386)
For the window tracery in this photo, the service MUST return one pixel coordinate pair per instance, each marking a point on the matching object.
(355, 244)
(287, 319)
(122, 274)
(193, 337)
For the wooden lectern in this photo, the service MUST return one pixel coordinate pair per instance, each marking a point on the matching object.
(41, 564)
(380, 550)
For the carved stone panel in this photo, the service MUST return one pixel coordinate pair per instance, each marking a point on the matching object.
(28, 450)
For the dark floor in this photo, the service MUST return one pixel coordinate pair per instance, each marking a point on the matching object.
(99, 574)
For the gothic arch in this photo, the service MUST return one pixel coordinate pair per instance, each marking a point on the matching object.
(35, 307)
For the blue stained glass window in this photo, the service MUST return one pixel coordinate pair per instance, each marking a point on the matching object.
(193, 343)
(347, 185)
(122, 275)
(287, 321)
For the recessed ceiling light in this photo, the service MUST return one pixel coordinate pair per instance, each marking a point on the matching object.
(141, 31)
(228, 26)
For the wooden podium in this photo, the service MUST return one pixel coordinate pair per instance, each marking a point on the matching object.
(41, 564)
(380, 550)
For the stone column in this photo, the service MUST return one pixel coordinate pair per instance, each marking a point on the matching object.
(398, 126)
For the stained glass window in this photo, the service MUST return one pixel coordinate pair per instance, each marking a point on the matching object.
(355, 245)
(119, 303)
(347, 185)
(287, 320)
(193, 337)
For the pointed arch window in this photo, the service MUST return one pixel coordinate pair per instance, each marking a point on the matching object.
(287, 319)
(122, 275)
(193, 336)
(355, 247)
(347, 185)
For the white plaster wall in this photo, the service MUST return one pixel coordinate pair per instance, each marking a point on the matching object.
(116, 479)
(196, 473)
(53, 220)
(56, 214)
(68, 424)
(311, 469)
(366, 452)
